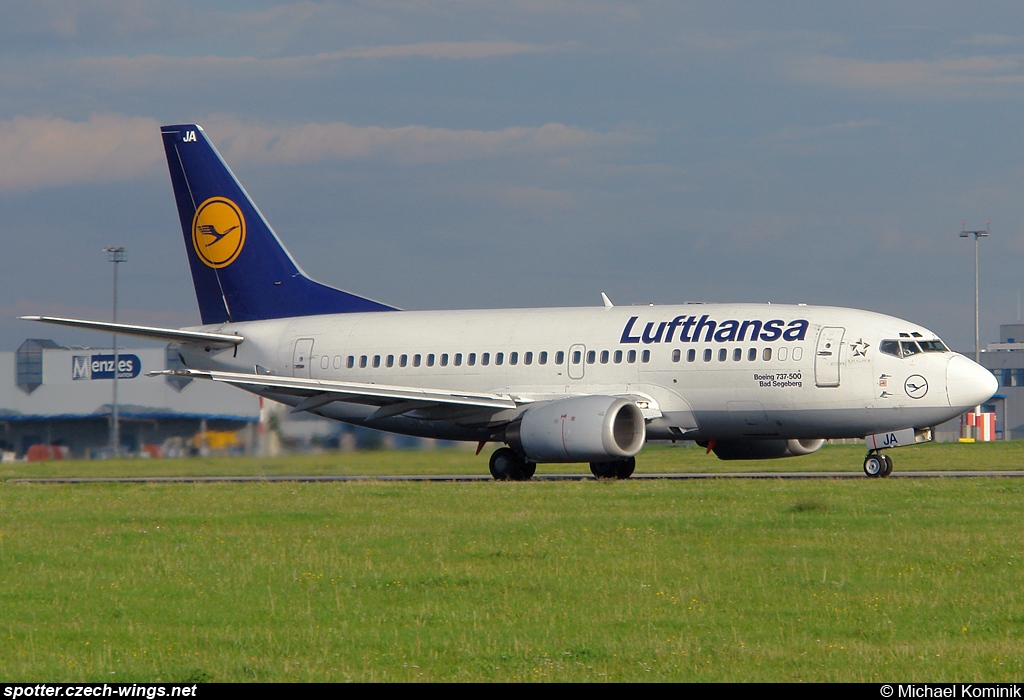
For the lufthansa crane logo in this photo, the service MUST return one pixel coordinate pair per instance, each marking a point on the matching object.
(218, 232)
(916, 386)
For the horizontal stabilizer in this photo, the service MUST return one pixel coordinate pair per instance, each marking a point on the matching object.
(167, 335)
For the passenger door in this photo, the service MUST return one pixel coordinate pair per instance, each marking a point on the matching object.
(301, 356)
(826, 356)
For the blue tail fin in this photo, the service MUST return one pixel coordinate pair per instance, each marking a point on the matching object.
(240, 269)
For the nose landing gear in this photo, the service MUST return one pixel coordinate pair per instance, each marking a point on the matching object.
(877, 465)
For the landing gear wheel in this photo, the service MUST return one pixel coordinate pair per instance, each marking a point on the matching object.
(624, 469)
(527, 471)
(888, 466)
(874, 465)
(506, 465)
(619, 469)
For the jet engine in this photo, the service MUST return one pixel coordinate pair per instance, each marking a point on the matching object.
(764, 449)
(580, 429)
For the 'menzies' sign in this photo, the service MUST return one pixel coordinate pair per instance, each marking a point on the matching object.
(102, 366)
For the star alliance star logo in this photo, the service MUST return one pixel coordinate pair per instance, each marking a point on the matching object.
(860, 348)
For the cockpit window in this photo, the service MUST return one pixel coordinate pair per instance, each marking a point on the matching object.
(906, 348)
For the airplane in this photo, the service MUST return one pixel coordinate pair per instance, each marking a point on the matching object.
(593, 384)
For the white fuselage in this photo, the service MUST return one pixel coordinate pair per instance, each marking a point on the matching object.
(698, 371)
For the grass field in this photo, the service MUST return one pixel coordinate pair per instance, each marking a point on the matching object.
(835, 580)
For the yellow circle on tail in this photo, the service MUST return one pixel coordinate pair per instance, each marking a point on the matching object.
(218, 232)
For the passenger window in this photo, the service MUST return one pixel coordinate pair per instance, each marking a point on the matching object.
(591, 357)
(677, 355)
(471, 359)
(645, 356)
(362, 361)
(444, 359)
(485, 359)
(416, 360)
(766, 354)
(751, 354)
(560, 357)
(543, 358)
(351, 362)
(499, 358)
(376, 361)
(691, 355)
(798, 354)
(783, 354)
(631, 356)
(618, 357)
(430, 360)
(737, 354)
(513, 358)
(337, 362)
(527, 358)
(458, 359)
(723, 354)
(390, 362)
(403, 360)
(707, 354)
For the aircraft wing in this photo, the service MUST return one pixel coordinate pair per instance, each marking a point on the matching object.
(167, 335)
(393, 400)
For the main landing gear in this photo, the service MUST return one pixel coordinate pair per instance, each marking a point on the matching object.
(506, 465)
(620, 469)
(877, 465)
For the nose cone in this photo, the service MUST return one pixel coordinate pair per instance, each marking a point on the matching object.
(968, 384)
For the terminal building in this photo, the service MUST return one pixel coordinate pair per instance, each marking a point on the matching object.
(54, 395)
(1006, 361)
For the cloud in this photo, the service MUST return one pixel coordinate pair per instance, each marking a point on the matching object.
(49, 150)
(945, 77)
(816, 140)
(439, 49)
(989, 40)
(798, 133)
(142, 70)
(406, 145)
(29, 25)
(52, 151)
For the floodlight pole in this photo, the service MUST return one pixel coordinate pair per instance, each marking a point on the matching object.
(977, 234)
(115, 254)
(964, 233)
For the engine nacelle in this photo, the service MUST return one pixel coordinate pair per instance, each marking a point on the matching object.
(580, 429)
(765, 449)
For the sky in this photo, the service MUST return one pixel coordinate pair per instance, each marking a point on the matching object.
(468, 154)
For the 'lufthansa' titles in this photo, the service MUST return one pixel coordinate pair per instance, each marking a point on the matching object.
(694, 329)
